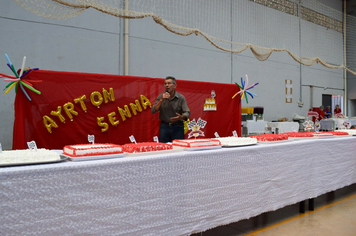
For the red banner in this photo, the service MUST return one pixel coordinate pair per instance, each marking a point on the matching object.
(72, 106)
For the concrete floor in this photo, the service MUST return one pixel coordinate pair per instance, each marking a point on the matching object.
(333, 215)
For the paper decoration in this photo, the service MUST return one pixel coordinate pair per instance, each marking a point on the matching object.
(289, 90)
(132, 139)
(91, 138)
(210, 104)
(195, 127)
(32, 145)
(317, 125)
(155, 139)
(308, 125)
(234, 133)
(346, 125)
(216, 135)
(19, 78)
(243, 89)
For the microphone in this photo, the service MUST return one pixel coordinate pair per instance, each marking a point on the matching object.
(164, 102)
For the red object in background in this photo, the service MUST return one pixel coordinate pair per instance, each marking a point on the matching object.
(316, 109)
(314, 115)
(61, 88)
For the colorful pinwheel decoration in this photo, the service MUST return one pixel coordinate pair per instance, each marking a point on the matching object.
(19, 78)
(244, 87)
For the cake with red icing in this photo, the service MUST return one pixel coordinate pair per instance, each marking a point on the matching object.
(299, 134)
(349, 131)
(322, 134)
(196, 143)
(340, 133)
(146, 147)
(270, 137)
(80, 150)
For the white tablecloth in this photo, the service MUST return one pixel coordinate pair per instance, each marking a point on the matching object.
(327, 124)
(284, 127)
(335, 123)
(170, 194)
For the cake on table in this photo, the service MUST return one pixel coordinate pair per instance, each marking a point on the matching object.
(82, 150)
(322, 134)
(349, 131)
(145, 147)
(299, 134)
(340, 133)
(237, 141)
(196, 143)
(270, 137)
(28, 156)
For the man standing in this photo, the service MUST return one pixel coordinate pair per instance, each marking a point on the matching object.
(173, 110)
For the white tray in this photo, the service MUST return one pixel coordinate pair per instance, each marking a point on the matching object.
(152, 152)
(301, 138)
(201, 148)
(271, 142)
(342, 136)
(97, 157)
(239, 145)
(323, 137)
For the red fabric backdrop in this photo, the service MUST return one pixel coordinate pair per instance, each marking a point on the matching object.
(59, 89)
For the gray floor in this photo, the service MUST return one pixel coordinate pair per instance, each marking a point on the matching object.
(333, 215)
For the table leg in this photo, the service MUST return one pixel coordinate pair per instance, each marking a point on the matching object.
(302, 207)
(311, 204)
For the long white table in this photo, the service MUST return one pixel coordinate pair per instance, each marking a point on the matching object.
(171, 194)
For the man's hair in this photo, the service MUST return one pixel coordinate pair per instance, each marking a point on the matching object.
(172, 78)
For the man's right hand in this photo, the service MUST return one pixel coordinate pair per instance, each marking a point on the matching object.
(166, 95)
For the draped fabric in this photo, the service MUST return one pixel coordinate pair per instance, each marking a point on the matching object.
(74, 102)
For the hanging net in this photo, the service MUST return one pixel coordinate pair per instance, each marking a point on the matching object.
(307, 30)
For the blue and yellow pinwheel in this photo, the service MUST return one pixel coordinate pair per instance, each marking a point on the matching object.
(243, 89)
(19, 78)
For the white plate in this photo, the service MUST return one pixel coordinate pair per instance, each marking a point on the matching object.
(152, 152)
(239, 145)
(322, 137)
(201, 148)
(271, 142)
(97, 157)
(342, 136)
(301, 138)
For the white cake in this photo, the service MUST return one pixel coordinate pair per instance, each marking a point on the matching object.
(91, 150)
(237, 141)
(194, 143)
(28, 156)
